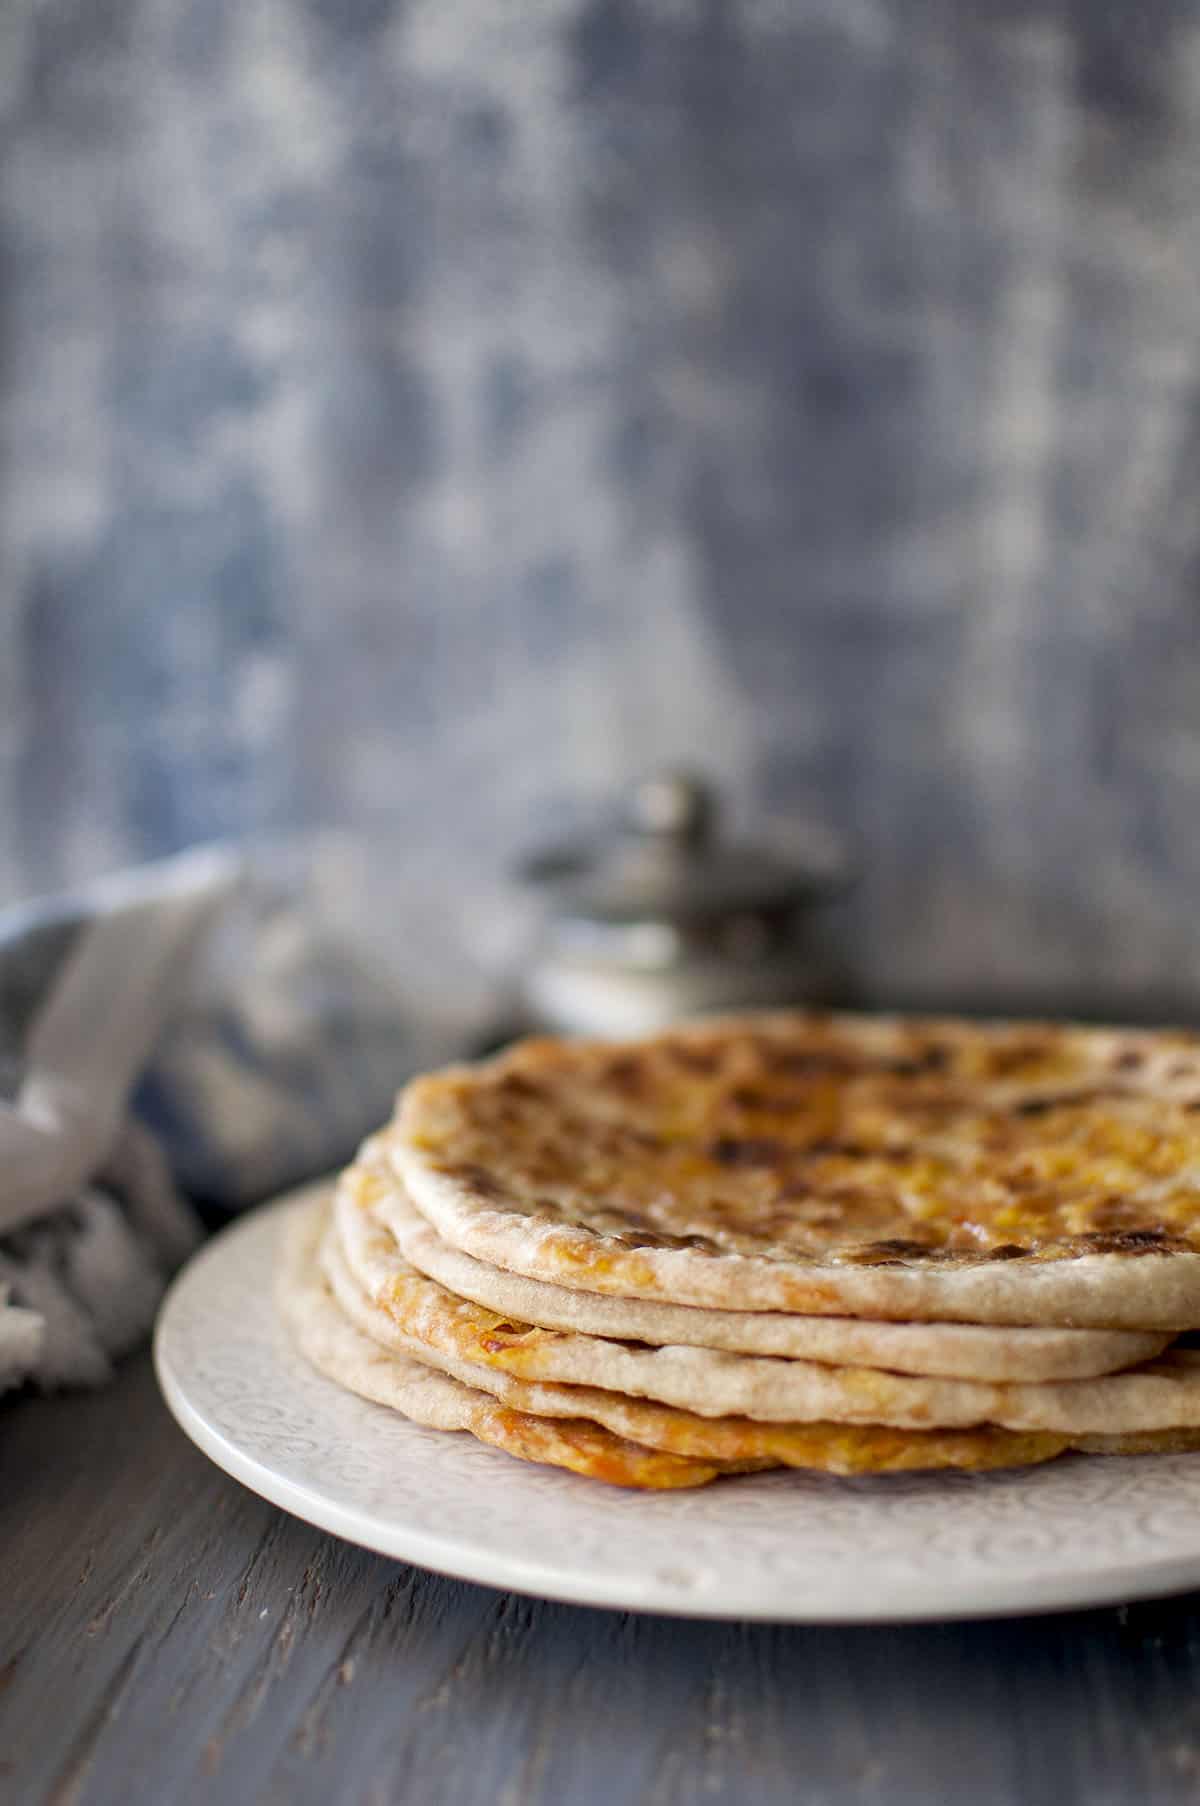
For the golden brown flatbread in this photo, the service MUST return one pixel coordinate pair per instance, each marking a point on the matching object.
(1160, 1394)
(974, 1351)
(831, 1165)
(358, 1345)
(824, 1447)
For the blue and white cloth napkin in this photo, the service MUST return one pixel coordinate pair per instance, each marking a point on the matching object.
(194, 1032)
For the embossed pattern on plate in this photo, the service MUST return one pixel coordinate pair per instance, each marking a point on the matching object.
(788, 1547)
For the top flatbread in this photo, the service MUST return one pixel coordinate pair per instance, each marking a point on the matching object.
(831, 1165)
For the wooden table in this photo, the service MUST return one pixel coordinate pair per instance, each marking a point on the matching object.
(167, 1637)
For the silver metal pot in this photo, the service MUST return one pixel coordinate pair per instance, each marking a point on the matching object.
(664, 918)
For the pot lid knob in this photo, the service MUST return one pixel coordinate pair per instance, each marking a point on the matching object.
(673, 806)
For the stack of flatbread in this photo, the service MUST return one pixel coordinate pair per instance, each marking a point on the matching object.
(853, 1244)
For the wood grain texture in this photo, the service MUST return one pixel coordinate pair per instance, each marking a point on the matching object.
(167, 1636)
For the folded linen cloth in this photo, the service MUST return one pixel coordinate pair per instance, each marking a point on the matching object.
(196, 1030)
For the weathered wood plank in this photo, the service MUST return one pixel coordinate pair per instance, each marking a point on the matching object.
(165, 1635)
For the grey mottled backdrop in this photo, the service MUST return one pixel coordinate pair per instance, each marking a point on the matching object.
(414, 411)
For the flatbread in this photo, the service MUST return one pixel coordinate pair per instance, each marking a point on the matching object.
(331, 1344)
(1162, 1394)
(825, 1447)
(884, 1168)
(956, 1350)
(383, 1373)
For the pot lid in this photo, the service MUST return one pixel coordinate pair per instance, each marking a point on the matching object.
(667, 861)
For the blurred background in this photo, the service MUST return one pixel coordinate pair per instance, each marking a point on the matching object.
(423, 417)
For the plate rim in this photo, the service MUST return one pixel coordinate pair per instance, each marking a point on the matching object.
(1033, 1592)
